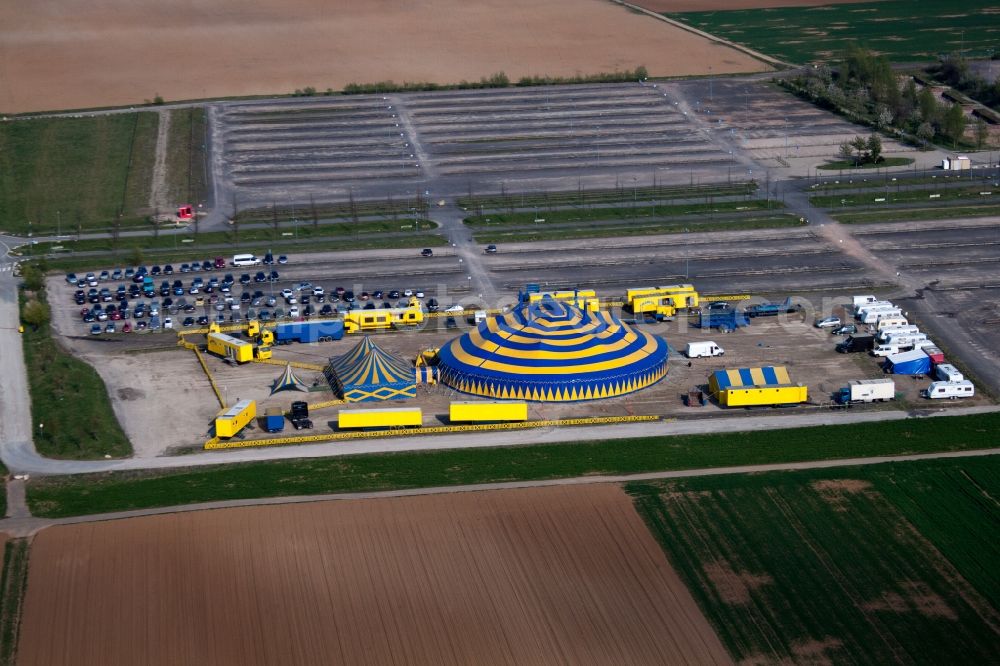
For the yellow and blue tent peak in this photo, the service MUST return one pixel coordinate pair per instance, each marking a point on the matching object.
(551, 351)
(368, 373)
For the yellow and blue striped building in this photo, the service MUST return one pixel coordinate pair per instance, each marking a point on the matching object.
(552, 351)
(746, 387)
(368, 373)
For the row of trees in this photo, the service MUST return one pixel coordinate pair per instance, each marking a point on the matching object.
(862, 151)
(866, 89)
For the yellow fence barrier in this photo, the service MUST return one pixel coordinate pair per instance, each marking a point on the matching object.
(208, 373)
(215, 443)
(294, 364)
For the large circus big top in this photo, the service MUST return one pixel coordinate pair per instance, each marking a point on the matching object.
(552, 351)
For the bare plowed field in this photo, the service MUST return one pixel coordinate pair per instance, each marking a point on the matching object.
(57, 55)
(541, 576)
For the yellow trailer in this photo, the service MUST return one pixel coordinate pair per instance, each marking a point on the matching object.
(398, 417)
(585, 299)
(763, 396)
(482, 410)
(383, 318)
(234, 419)
(227, 346)
(663, 300)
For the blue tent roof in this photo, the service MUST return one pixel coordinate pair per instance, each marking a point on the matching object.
(367, 373)
(552, 351)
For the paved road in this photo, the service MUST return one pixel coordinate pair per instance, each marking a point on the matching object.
(26, 526)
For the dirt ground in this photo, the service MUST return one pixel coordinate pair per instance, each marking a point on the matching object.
(60, 55)
(723, 5)
(547, 575)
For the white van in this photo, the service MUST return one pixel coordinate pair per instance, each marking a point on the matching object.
(891, 322)
(909, 329)
(884, 349)
(700, 349)
(245, 260)
(872, 316)
(953, 390)
(858, 301)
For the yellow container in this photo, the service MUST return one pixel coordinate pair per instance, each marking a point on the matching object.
(227, 346)
(763, 396)
(380, 418)
(235, 418)
(479, 411)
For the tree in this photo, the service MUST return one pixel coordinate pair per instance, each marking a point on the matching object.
(33, 277)
(859, 144)
(982, 132)
(883, 116)
(36, 314)
(925, 131)
(875, 148)
(927, 104)
(953, 123)
(846, 152)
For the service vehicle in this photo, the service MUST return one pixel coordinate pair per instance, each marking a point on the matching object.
(703, 349)
(482, 411)
(771, 309)
(867, 390)
(245, 260)
(393, 417)
(274, 419)
(231, 421)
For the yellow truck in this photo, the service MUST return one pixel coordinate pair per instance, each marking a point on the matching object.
(234, 419)
(661, 302)
(585, 299)
(482, 411)
(383, 318)
(263, 336)
(392, 417)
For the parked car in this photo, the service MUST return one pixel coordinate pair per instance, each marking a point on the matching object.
(450, 323)
(261, 276)
(268, 259)
(273, 276)
(188, 321)
(220, 262)
(427, 252)
(318, 291)
(203, 320)
(245, 279)
(185, 268)
(828, 322)
(168, 269)
(71, 278)
(326, 310)
(104, 276)
(95, 329)
(293, 311)
(846, 329)
(110, 328)
(127, 328)
(282, 260)
(491, 249)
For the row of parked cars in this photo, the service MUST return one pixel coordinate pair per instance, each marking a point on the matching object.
(138, 274)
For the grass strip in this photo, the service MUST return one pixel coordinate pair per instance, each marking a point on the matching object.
(619, 231)
(915, 214)
(13, 583)
(583, 197)
(618, 213)
(981, 193)
(70, 408)
(849, 165)
(118, 491)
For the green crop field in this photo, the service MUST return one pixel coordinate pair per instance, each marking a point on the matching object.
(883, 564)
(64, 174)
(904, 30)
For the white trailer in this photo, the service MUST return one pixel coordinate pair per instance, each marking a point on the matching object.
(905, 339)
(951, 390)
(946, 372)
(885, 322)
(909, 329)
(872, 316)
(861, 309)
(700, 349)
(867, 390)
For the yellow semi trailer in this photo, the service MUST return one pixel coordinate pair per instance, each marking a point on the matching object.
(585, 299)
(238, 350)
(482, 411)
(383, 318)
(234, 419)
(661, 301)
(392, 417)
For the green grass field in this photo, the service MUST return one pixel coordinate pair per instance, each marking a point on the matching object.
(186, 178)
(884, 564)
(975, 194)
(70, 408)
(638, 229)
(914, 214)
(13, 582)
(904, 30)
(61, 174)
(618, 213)
(80, 495)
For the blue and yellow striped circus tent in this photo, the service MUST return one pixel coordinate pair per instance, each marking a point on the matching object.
(767, 376)
(367, 373)
(551, 351)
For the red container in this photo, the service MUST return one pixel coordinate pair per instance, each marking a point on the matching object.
(935, 354)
